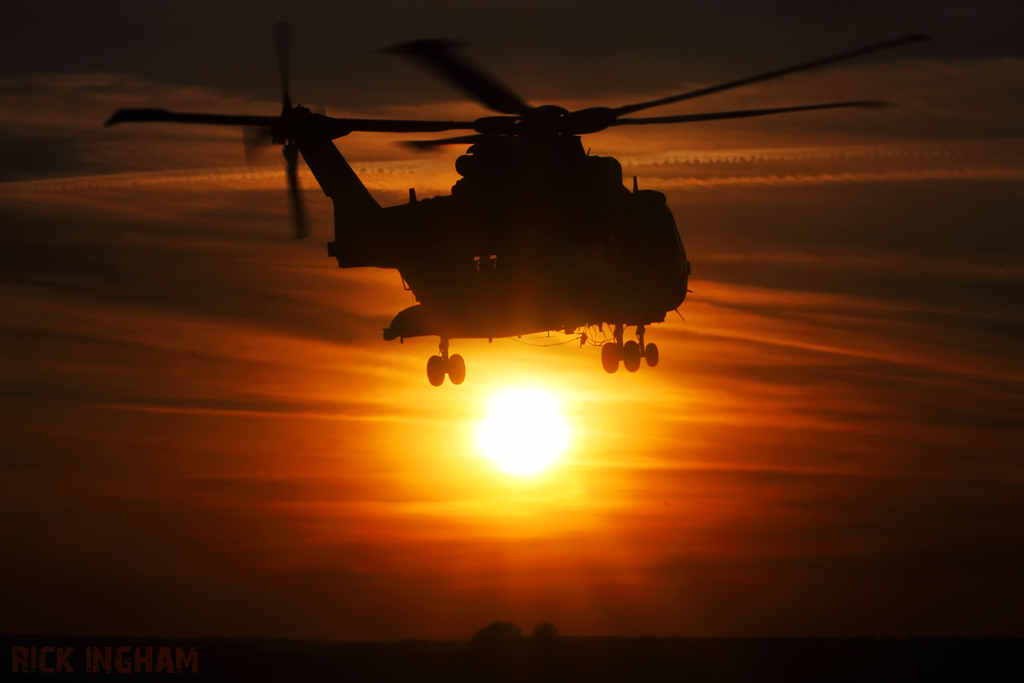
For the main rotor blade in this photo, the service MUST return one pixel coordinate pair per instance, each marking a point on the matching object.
(744, 113)
(394, 125)
(439, 56)
(282, 41)
(460, 140)
(146, 115)
(318, 123)
(884, 45)
(300, 224)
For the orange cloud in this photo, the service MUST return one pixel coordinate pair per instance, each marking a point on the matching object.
(193, 402)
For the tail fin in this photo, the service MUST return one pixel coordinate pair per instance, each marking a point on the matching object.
(357, 215)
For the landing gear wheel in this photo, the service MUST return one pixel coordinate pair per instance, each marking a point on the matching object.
(610, 357)
(651, 355)
(436, 369)
(631, 356)
(456, 369)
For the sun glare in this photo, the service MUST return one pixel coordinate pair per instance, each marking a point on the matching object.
(523, 432)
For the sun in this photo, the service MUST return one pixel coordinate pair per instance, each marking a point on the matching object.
(524, 431)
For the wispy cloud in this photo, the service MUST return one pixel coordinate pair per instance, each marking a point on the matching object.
(191, 400)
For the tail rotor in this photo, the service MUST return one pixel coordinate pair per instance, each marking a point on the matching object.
(257, 139)
(296, 203)
(300, 224)
(283, 43)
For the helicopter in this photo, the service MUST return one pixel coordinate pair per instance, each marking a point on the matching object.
(536, 236)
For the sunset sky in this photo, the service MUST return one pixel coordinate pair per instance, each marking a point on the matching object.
(202, 431)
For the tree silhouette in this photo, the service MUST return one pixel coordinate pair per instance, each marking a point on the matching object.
(545, 630)
(499, 631)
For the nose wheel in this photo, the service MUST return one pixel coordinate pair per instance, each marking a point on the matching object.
(439, 366)
(629, 353)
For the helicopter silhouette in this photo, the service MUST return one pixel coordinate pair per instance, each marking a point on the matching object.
(537, 235)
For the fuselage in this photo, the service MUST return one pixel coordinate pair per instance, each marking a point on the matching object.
(536, 236)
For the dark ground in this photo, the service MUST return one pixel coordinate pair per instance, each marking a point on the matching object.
(571, 659)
